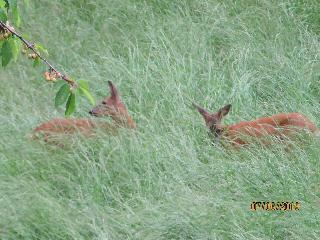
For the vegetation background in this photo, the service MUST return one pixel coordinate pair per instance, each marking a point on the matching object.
(166, 181)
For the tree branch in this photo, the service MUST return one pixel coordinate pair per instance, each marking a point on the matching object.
(31, 47)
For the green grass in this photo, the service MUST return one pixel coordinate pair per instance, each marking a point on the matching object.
(167, 181)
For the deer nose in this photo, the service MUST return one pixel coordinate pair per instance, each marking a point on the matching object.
(90, 112)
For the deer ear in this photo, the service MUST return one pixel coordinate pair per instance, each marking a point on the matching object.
(205, 114)
(224, 111)
(113, 91)
(201, 110)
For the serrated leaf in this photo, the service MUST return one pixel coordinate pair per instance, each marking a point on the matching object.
(3, 15)
(15, 48)
(88, 95)
(62, 95)
(36, 62)
(6, 53)
(16, 16)
(71, 104)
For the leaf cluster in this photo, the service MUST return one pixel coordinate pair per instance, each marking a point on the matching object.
(11, 44)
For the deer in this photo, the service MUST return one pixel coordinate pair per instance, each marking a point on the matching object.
(281, 126)
(111, 106)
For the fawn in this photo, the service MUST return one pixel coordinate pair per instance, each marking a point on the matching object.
(111, 106)
(281, 125)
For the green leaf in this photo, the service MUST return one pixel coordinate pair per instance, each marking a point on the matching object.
(6, 53)
(58, 84)
(2, 3)
(83, 84)
(84, 90)
(62, 95)
(71, 104)
(3, 15)
(13, 4)
(87, 94)
(16, 16)
(36, 62)
(15, 48)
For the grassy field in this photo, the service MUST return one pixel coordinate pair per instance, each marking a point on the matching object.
(166, 181)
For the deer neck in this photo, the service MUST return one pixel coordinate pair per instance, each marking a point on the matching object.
(125, 121)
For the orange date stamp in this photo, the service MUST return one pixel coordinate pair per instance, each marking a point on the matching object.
(275, 206)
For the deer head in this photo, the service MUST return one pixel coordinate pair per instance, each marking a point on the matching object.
(113, 107)
(213, 120)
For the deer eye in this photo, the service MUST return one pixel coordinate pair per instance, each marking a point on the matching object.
(104, 102)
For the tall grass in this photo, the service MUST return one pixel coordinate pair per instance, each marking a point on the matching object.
(166, 181)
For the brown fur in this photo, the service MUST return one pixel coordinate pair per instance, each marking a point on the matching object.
(281, 125)
(111, 106)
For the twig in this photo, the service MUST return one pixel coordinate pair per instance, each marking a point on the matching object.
(31, 47)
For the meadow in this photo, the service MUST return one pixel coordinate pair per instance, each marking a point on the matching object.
(167, 180)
